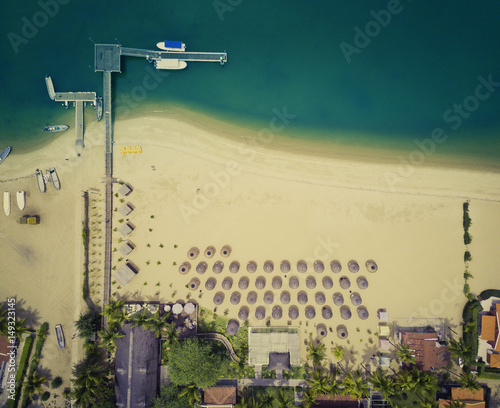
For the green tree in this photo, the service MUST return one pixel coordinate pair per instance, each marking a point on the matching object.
(191, 393)
(115, 313)
(382, 383)
(141, 318)
(468, 381)
(429, 404)
(404, 354)
(3, 321)
(87, 324)
(355, 386)
(460, 349)
(169, 397)
(56, 382)
(316, 353)
(338, 352)
(170, 333)
(403, 380)
(109, 337)
(192, 361)
(156, 323)
(34, 384)
(469, 327)
(455, 404)
(318, 382)
(308, 398)
(282, 398)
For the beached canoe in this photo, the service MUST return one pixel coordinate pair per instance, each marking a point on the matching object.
(60, 336)
(5, 153)
(40, 180)
(21, 199)
(6, 202)
(55, 179)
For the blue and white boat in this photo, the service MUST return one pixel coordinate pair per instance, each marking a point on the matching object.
(172, 46)
(60, 336)
(5, 153)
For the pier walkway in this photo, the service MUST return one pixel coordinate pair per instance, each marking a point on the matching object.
(79, 123)
(182, 56)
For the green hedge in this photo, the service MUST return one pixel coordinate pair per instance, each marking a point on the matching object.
(486, 294)
(21, 371)
(471, 315)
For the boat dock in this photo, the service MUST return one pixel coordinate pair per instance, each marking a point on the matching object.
(151, 56)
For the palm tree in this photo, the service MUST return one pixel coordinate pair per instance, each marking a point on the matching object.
(282, 399)
(382, 383)
(115, 313)
(429, 404)
(156, 323)
(338, 352)
(318, 382)
(333, 385)
(403, 380)
(34, 384)
(141, 319)
(109, 337)
(455, 404)
(355, 386)
(308, 398)
(192, 394)
(170, 333)
(469, 381)
(460, 349)
(404, 354)
(316, 353)
(266, 399)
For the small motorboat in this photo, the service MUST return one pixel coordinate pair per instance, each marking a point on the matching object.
(60, 336)
(6, 202)
(40, 180)
(21, 199)
(56, 128)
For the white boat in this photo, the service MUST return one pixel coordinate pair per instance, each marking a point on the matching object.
(60, 336)
(178, 46)
(54, 178)
(170, 64)
(50, 87)
(21, 199)
(6, 202)
(57, 128)
(98, 108)
(5, 153)
(40, 180)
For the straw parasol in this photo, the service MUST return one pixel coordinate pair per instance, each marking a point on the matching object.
(353, 266)
(209, 252)
(260, 312)
(326, 312)
(189, 308)
(243, 313)
(219, 298)
(184, 268)
(193, 253)
(234, 267)
(268, 266)
(293, 282)
(285, 297)
(260, 282)
(345, 312)
(243, 283)
(338, 299)
(177, 309)
(302, 297)
(327, 282)
(345, 283)
(311, 282)
(335, 266)
(251, 266)
(321, 331)
(201, 268)
(277, 312)
(362, 282)
(355, 299)
(293, 312)
(235, 298)
(363, 313)
(310, 312)
(232, 327)
(320, 298)
(218, 267)
(276, 282)
(319, 266)
(371, 265)
(194, 283)
(227, 283)
(252, 297)
(225, 251)
(210, 283)
(268, 297)
(285, 266)
(342, 331)
(302, 266)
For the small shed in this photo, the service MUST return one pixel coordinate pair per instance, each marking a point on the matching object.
(125, 190)
(125, 209)
(279, 361)
(126, 249)
(124, 275)
(125, 229)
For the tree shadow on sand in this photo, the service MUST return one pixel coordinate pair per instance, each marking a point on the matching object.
(32, 315)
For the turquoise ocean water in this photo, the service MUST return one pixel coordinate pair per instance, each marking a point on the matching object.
(282, 53)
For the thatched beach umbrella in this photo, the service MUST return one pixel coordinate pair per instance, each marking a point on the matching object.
(252, 297)
(225, 251)
(232, 327)
(277, 312)
(184, 268)
(338, 299)
(293, 282)
(276, 282)
(260, 312)
(201, 268)
(268, 266)
(243, 283)
(319, 266)
(310, 312)
(302, 297)
(293, 312)
(235, 298)
(345, 283)
(243, 313)
(218, 267)
(219, 298)
(371, 265)
(194, 284)
(285, 297)
(209, 252)
(342, 332)
(326, 312)
(193, 253)
(345, 312)
(356, 299)
(251, 266)
(363, 313)
(268, 298)
(311, 282)
(302, 266)
(210, 283)
(260, 282)
(227, 283)
(285, 266)
(327, 282)
(320, 298)
(321, 331)
(234, 267)
(353, 266)
(335, 266)
(362, 282)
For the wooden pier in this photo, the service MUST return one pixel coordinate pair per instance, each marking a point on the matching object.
(220, 57)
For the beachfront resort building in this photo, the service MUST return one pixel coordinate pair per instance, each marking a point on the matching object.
(490, 334)
(219, 397)
(471, 399)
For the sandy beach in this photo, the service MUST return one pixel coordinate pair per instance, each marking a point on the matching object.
(200, 183)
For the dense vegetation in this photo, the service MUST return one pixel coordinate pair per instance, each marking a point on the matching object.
(169, 397)
(21, 371)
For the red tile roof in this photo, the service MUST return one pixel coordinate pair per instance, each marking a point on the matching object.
(4, 349)
(472, 399)
(427, 354)
(494, 360)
